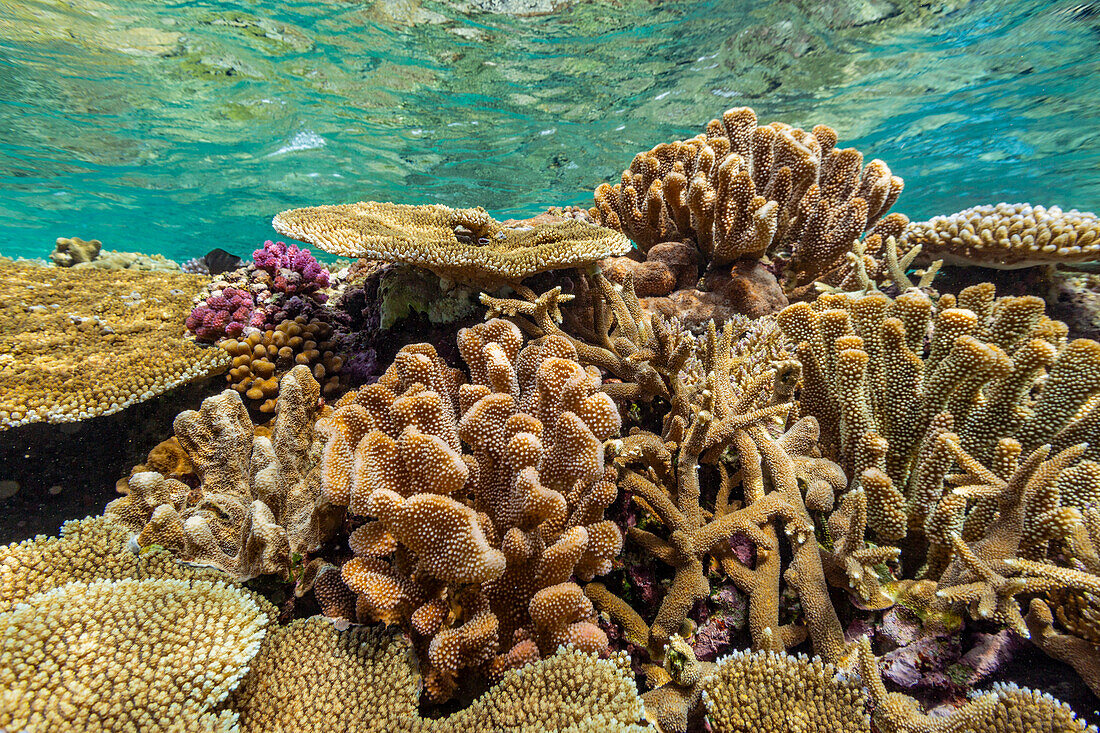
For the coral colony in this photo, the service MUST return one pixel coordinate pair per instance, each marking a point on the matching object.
(719, 453)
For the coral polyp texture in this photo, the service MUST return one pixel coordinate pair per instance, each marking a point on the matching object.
(119, 655)
(257, 501)
(742, 190)
(77, 344)
(463, 245)
(473, 552)
(1007, 236)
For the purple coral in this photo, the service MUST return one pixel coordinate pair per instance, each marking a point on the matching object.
(294, 271)
(224, 315)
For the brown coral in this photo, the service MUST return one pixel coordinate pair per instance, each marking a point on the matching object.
(465, 245)
(126, 655)
(258, 503)
(77, 344)
(1007, 236)
(742, 190)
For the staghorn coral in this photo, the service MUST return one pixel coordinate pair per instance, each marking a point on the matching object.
(1004, 709)
(771, 691)
(1007, 236)
(482, 544)
(77, 344)
(742, 190)
(258, 500)
(126, 655)
(464, 245)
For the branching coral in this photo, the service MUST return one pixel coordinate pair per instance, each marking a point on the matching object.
(463, 245)
(1007, 236)
(742, 190)
(77, 344)
(126, 655)
(473, 552)
(258, 500)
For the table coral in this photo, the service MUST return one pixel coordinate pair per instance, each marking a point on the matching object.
(77, 344)
(1007, 236)
(463, 245)
(257, 504)
(495, 533)
(126, 655)
(743, 190)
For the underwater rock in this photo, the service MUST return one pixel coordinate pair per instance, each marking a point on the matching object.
(218, 261)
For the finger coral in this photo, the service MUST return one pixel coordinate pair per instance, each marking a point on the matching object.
(1007, 236)
(258, 499)
(126, 655)
(743, 190)
(81, 343)
(463, 245)
(483, 543)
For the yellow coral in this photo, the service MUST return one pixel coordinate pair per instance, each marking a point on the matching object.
(126, 655)
(458, 244)
(80, 343)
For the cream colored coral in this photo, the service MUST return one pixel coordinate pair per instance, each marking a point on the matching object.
(458, 244)
(126, 655)
(1008, 236)
(769, 691)
(75, 344)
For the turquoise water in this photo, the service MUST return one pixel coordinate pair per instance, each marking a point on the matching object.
(173, 127)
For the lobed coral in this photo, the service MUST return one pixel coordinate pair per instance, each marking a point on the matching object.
(463, 245)
(257, 503)
(474, 551)
(77, 344)
(741, 190)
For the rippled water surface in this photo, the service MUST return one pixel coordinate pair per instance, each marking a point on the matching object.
(174, 127)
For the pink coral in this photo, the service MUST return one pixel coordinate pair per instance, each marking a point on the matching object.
(224, 314)
(294, 271)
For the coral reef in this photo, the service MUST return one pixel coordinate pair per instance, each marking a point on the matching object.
(463, 245)
(495, 534)
(745, 191)
(131, 655)
(78, 343)
(1007, 236)
(257, 501)
(74, 250)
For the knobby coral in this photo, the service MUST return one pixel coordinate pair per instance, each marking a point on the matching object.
(258, 501)
(463, 245)
(742, 190)
(474, 551)
(81, 343)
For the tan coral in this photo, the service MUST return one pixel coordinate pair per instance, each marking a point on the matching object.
(258, 503)
(1007, 236)
(81, 343)
(465, 245)
(772, 691)
(130, 655)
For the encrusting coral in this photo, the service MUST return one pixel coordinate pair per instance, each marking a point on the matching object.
(740, 190)
(257, 504)
(462, 245)
(77, 344)
(1007, 236)
(483, 544)
(126, 655)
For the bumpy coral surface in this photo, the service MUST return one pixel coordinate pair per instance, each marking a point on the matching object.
(1008, 236)
(80, 343)
(257, 504)
(742, 190)
(460, 244)
(126, 655)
